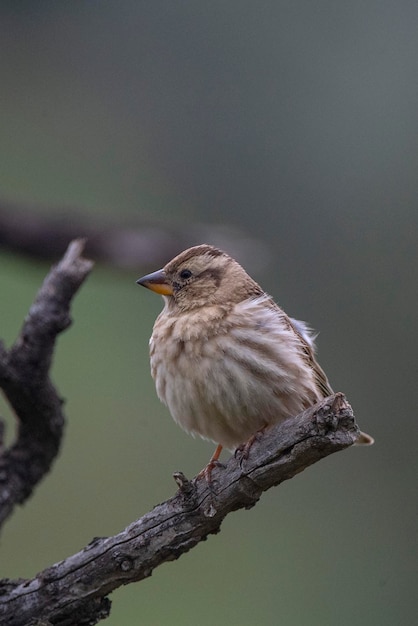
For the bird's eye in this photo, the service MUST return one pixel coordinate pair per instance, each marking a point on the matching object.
(185, 274)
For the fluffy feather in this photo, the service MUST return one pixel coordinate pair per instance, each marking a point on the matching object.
(226, 359)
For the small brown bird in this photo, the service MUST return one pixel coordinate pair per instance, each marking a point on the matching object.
(225, 358)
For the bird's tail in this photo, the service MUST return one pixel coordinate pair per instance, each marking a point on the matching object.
(364, 440)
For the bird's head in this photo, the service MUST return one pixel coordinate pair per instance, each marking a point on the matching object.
(201, 276)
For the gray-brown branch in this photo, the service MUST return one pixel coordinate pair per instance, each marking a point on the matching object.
(24, 379)
(75, 590)
(141, 244)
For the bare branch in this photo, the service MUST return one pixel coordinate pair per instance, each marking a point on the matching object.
(140, 244)
(74, 591)
(24, 379)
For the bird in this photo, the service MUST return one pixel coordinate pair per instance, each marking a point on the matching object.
(226, 360)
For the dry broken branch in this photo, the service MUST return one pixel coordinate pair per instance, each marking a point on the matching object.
(24, 379)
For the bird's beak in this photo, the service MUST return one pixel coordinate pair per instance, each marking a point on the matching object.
(157, 282)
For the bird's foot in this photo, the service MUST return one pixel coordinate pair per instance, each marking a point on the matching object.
(243, 451)
(206, 472)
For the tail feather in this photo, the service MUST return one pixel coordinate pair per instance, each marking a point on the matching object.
(364, 440)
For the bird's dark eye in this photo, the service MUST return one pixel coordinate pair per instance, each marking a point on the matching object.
(185, 274)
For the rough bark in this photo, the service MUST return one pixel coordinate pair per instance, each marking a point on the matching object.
(75, 590)
(25, 381)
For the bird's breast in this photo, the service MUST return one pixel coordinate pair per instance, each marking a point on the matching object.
(225, 375)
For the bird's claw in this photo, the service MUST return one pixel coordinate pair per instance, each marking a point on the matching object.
(206, 472)
(243, 451)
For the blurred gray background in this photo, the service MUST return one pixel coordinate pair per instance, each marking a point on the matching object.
(296, 123)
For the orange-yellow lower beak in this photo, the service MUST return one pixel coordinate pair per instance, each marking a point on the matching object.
(157, 282)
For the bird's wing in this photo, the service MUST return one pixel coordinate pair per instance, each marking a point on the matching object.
(307, 338)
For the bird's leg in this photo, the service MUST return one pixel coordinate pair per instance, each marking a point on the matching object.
(243, 451)
(214, 461)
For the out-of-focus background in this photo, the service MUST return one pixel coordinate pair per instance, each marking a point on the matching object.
(290, 125)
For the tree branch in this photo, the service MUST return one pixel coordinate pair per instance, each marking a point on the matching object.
(141, 244)
(75, 590)
(24, 379)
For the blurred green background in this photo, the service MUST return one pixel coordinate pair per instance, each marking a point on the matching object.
(296, 122)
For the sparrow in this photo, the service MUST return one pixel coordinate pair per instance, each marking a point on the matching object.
(226, 359)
